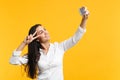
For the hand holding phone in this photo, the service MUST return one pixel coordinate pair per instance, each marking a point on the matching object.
(83, 11)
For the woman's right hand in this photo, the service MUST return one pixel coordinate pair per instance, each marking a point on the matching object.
(30, 38)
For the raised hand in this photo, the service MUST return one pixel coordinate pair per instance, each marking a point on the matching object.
(30, 38)
(84, 12)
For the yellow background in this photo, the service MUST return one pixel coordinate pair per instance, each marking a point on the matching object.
(95, 57)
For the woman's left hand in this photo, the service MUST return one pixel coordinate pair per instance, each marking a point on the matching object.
(84, 12)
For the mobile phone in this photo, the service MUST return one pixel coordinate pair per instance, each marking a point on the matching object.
(83, 10)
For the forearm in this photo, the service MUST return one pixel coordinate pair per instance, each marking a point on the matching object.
(21, 46)
(83, 23)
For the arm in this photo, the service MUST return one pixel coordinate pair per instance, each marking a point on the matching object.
(26, 41)
(84, 21)
(65, 45)
(84, 12)
(16, 58)
(21, 46)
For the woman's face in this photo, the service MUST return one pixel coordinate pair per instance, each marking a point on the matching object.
(43, 34)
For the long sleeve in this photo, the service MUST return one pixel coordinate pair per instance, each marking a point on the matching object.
(68, 43)
(17, 59)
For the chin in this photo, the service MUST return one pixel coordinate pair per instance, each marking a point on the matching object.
(47, 39)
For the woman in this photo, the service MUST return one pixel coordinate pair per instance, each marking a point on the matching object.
(44, 60)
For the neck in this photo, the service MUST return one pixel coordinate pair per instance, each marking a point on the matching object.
(45, 45)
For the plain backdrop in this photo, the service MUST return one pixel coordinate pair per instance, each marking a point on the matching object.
(95, 57)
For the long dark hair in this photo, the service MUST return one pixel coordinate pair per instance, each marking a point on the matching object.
(33, 55)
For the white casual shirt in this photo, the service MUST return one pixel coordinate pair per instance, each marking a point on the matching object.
(51, 64)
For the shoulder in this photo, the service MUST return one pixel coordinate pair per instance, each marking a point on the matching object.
(57, 45)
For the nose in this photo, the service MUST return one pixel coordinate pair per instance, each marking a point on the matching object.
(46, 33)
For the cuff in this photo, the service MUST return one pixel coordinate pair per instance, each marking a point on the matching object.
(16, 53)
(82, 29)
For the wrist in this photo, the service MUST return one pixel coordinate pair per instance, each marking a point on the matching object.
(24, 42)
(84, 19)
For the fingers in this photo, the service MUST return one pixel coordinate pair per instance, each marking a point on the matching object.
(36, 37)
(87, 12)
(32, 37)
(34, 33)
(84, 11)
(29, 36)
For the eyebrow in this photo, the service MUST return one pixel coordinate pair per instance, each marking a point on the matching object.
(42, 29)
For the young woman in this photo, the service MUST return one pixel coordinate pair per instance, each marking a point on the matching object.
(44, 60)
